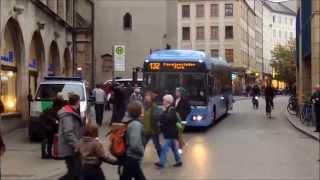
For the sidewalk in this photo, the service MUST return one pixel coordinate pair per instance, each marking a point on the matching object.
(308, 130)
(22, 160)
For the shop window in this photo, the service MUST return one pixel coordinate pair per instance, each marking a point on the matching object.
(200, 10)
(186, 11)
(229, 55)
(229, 32)
(127, 21)
(200, 33)
(186, 33)
(214, 10)
(228, 9)
(8, 90)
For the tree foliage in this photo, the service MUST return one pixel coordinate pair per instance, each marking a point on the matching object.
(284, 62)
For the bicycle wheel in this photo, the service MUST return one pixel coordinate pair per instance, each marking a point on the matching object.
(291, 109)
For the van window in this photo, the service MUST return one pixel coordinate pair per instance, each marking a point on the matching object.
(50, 91)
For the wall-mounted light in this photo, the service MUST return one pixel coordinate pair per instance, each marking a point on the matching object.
(79, 68)
(18, 9)
(41, 24)
(69, 43)
(56, 35)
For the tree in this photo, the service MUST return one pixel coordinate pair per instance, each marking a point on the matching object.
(284, 62)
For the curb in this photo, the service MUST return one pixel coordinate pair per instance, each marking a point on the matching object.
(317, 138)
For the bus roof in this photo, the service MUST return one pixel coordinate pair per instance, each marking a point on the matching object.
(185, 56)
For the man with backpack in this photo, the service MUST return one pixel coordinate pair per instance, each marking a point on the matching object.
(127, 143)
(134, 144)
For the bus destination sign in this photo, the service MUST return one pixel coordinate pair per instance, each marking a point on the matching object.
(173, 66)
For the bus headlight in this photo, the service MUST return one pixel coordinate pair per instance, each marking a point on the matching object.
(197, 118)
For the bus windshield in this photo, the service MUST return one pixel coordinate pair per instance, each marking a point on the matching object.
(193, 83)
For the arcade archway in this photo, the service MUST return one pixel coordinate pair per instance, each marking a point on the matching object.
(54, 68)
(12, 54)
(36, 62)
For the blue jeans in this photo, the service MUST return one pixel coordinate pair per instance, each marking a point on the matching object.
(156, 142)
(169, 143)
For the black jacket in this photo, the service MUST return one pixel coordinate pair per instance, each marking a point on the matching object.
(183, 108)
(269, 92)
(168, 125)
(50, 120)
(316, 98)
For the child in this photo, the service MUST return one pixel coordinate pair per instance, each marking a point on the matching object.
(92, 154)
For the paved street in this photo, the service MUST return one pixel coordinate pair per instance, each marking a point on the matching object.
(245, 145)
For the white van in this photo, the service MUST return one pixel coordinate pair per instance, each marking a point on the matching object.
(46, 92)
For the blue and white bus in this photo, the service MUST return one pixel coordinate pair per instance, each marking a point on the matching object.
(207, 82)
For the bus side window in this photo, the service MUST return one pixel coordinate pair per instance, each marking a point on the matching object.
(210, 85)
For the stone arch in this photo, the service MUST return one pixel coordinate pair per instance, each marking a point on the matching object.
(54, 67)
(13, 94)
(36, 61)
(67, 69)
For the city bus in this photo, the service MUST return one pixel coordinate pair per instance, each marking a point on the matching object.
(206, 80)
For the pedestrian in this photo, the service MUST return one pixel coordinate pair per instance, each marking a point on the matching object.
(136, 95)
(183, 108)
(151, 124)
(170, 132)
(108, 90)
(131, 162)
(92, 154)
(118, 99)
(70, 132)
(316, 100)
(100, 99)
(51, 125)
(269, 95)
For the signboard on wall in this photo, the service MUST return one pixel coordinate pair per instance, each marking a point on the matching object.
(119, 58)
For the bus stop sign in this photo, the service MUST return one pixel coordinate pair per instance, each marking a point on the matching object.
(119, 57)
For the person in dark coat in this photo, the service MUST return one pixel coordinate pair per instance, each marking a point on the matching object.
(118, 99)
(269, 95)
(182, 104)
(51, 124)
(170, 132)
(316, 100)
(183, 108)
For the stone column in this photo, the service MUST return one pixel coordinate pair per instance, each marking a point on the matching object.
(315, 42)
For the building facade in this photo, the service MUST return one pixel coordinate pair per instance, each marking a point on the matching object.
(140, 25)
(279, 27)
(230, 29)
(36, 41)
(308, 47)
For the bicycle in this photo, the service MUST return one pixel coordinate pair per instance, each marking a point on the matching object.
(293, 107)
(306, 113)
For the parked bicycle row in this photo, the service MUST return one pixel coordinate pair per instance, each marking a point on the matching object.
(308, 111)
